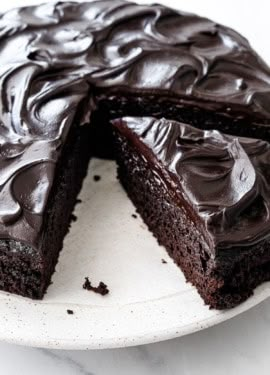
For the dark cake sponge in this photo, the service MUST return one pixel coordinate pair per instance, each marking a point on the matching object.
(206, 197)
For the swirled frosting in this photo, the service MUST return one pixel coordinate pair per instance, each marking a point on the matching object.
(225, 179)
(54, 58)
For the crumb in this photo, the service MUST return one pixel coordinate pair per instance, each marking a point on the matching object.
(73, 217)
(96, 177)
(78, 201)
(134, 215)
(163, 261)
(100, 289)
(70, 312)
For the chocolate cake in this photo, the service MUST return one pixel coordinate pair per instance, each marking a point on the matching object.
(66, 70)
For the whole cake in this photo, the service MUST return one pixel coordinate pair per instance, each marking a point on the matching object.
(67, 69)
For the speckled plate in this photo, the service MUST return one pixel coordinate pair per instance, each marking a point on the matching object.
(149, 300)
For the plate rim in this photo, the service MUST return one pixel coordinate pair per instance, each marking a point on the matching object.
(261, 294)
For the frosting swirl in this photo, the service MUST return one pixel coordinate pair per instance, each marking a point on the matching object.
(224, 178)
(56, 56)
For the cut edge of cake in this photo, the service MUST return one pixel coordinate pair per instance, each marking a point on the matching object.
(223, 278)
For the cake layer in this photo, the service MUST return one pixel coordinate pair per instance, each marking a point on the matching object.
(205, 196)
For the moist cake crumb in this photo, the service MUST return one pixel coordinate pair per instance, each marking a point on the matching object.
(100, 289)
(97, 178)
(70, 312)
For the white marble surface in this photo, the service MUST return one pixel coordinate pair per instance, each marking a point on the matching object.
(238, 346)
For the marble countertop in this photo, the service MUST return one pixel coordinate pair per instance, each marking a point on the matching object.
(238, 346)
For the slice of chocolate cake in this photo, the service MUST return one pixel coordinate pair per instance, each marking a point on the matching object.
(206, 198)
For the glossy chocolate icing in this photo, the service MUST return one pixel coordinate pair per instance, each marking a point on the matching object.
(54, 57)
(224, 178)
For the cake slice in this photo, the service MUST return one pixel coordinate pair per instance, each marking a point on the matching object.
(41, 178)
(206, 198)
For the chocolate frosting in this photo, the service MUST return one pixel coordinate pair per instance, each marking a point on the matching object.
(55, 56)
(224, 178)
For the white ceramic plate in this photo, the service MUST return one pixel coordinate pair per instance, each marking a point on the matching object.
(148, 300)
